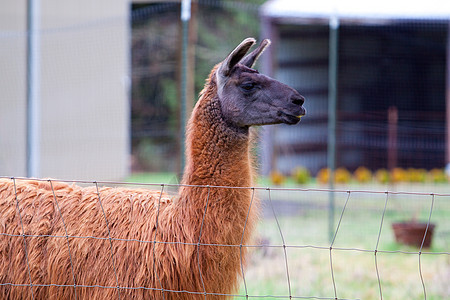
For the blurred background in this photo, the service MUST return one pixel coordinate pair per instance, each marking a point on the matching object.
(99, 89)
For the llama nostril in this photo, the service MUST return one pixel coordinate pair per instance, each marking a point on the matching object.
(298, 99)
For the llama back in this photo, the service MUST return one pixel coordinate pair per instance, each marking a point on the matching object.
(67, 240)
(71, 242)
(25, 236)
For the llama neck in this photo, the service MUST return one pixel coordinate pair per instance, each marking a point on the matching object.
(217, 153)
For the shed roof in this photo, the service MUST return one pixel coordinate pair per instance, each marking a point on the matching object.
(357, 10)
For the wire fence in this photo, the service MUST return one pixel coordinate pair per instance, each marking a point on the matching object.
(342, 252)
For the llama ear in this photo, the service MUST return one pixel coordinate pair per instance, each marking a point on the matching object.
(251, 58)
(235, 57)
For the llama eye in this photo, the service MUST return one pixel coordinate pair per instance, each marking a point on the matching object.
(248, 86)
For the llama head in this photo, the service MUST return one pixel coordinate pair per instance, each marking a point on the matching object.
(249, 98)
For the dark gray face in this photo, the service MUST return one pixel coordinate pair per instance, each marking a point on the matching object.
(249, 98)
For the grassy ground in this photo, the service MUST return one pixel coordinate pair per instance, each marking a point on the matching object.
(305, 267)
(153, 178)
(304, 229)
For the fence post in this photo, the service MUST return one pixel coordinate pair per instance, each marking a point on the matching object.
(447, 96)
(392, 137)
(33, 89)
(332, 100)
(185, 17)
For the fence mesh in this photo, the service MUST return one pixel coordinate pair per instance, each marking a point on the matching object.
(290, 256)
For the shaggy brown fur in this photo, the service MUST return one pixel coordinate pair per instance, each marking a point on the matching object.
(175, 262)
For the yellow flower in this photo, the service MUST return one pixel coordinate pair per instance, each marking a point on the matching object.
(382, 176)
(323, 176)
(277, 178)
(362, 175)
(301, 175)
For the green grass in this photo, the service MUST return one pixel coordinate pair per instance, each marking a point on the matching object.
(354, 266)
(167, 178)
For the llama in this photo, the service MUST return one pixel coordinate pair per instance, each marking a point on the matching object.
(64, 241)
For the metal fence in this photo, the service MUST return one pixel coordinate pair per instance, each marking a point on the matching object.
(290, 257)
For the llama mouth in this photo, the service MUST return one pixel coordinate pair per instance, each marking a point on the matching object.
(290, 118)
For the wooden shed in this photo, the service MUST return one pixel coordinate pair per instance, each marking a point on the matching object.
(392, 84)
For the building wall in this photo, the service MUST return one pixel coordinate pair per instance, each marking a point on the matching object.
(13, 88)
(302, 59)
(84, 66)
(399, 66)
(299, 59)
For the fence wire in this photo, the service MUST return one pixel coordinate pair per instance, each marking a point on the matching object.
(285, 246)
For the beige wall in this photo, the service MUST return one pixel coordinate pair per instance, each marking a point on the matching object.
(12, 88)
(84, 90)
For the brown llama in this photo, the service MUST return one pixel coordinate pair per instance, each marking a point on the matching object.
(64, 241)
